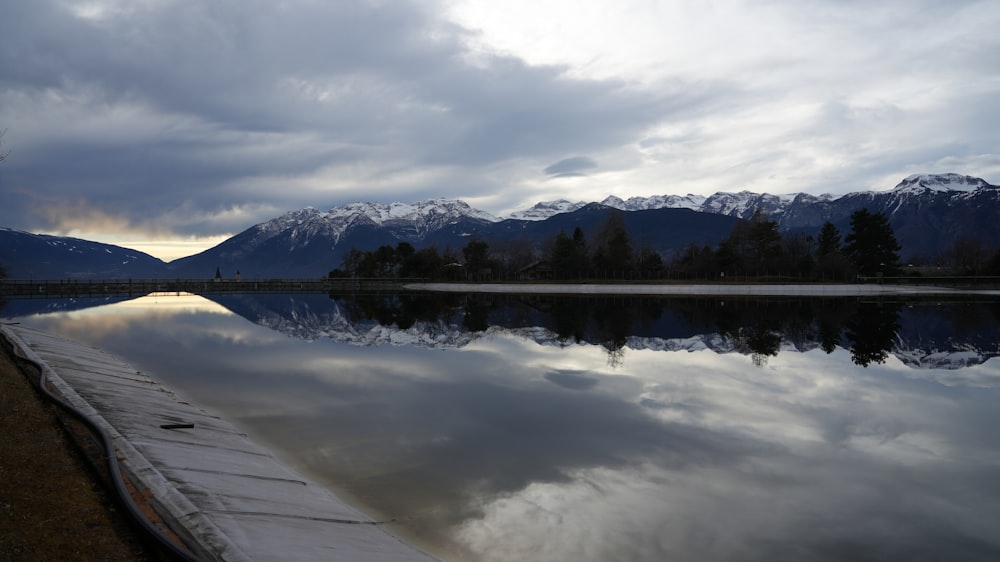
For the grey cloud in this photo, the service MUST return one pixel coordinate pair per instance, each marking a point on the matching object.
(163, 108)
(359, 83)
(571, 166)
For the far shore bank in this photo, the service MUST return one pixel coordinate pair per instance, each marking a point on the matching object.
(139, 287)
(804, 290)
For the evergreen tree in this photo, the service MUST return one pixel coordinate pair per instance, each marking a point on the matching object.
(829, 240)
(613, 252)
(765, 242)
(564, 261)
(797, 254)
(696, 261)
(368, 266)
(351, 262)
(422, 263)
(404, 250)
(477, 264)
(830, 259)
(650, 262)
(872, 244)
(386, 261)
(753, 246)
(993, 266)
(562, 255)
(581, 261)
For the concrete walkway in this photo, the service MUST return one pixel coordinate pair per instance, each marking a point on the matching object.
(228, 498)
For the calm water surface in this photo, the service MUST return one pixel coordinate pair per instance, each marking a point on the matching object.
(504, 428)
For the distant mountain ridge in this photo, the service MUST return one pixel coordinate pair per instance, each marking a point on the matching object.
(743, 204)
(929, 213)
(310, 243)
(40, 256)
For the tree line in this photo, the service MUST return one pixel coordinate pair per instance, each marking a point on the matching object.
(753, 249)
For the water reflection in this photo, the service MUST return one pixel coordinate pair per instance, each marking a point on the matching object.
(930, 334)
(506, 428)
(871, 333)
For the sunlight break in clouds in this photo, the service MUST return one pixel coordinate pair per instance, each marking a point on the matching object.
(81, 220)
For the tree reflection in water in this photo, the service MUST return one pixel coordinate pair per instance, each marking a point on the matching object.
(872, 331)
(513, 445)
(754, 327)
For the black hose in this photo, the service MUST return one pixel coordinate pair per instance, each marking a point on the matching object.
(112, 458)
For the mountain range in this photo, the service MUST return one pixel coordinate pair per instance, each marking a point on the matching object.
(929, 214)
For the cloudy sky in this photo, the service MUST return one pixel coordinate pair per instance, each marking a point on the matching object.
(168, 125)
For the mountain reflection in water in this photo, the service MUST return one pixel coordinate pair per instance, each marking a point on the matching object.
(502, 428)
(920, 333)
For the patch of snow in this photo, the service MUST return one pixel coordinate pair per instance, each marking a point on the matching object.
(919, 183)
(689, 201)
(545, 209)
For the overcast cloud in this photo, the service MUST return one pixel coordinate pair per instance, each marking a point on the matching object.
(164, 120)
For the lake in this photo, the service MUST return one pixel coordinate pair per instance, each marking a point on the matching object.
(504, 427)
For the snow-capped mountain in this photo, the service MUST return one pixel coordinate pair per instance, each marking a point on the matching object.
(418, 219)
(545, 209)
(929, 214)
(689, 201)
(744, 203)
(424, 215)
(740, 205)
(309, 242)
(920, 183)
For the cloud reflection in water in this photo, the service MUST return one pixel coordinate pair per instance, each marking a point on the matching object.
(510, 449)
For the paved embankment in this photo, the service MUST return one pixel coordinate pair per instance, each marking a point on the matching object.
(829, 290)
(227, 498)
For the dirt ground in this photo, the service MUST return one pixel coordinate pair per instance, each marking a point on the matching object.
(53, 505)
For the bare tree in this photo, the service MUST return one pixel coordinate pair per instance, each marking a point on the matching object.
(970, 256)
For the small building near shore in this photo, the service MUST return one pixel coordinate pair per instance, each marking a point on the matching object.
(539, 271)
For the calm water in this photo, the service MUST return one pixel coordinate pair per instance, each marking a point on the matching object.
(505, 428)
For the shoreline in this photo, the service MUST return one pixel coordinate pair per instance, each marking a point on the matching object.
(55, 504)
(793, 290)
(193, 468)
